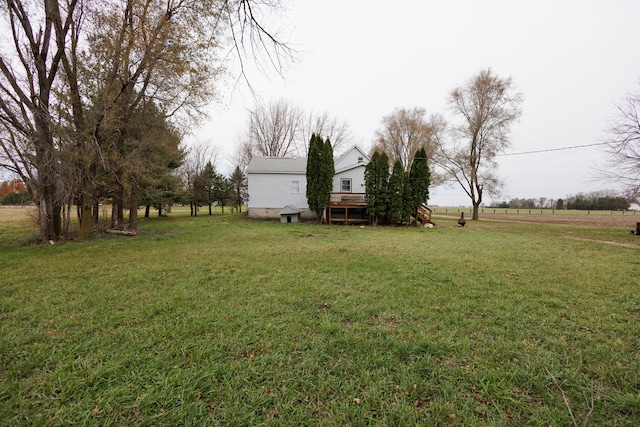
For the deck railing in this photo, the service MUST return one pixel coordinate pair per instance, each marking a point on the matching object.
(347, 199)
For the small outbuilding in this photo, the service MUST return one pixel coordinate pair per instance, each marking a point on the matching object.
(290, 214)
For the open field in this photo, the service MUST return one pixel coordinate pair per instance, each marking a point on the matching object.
(227, 321)
(10, 214)
(617, 219)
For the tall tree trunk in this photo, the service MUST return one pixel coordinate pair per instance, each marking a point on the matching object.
(114, 214)
(117, 216)
(86, 217)
(46, 161)
(133, 207)
(476, 205)
(56, 218)
(147, 209)
(66, 215)
(42, 220)
(52, 213)
(96, 211)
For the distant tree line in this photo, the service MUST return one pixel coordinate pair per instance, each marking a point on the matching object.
(392, 197)
(597, 200)
(598, 203)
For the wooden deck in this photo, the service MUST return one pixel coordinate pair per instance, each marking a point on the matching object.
(347, 208)
(347, 199)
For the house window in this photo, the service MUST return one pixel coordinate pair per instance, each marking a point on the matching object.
(345, 185)
(360, 159)
(295, 187)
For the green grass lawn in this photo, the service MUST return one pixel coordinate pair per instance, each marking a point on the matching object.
(227, 321)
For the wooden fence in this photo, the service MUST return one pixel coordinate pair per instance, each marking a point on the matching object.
(439, 210)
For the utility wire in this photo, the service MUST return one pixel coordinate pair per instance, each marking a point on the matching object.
(550, 149)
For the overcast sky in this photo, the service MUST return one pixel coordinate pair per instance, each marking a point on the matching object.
(361, 59)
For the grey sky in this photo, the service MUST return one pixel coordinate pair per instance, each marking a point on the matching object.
(362, 59)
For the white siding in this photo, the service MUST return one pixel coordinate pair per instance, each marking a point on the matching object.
(350, 158)
(269, 182)
(272, 190)
(357, 180)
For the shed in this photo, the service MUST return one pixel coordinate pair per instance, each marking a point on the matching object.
(290, 214)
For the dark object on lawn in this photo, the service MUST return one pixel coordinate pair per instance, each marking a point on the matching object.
(637, 230)
(461, 221)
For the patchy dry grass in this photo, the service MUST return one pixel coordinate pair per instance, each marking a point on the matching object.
(17, 224)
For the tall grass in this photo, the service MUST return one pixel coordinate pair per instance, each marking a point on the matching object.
(225, 321)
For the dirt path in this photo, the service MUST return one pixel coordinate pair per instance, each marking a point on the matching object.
(606, 242)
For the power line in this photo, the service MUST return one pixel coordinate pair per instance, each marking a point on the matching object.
(551, 149)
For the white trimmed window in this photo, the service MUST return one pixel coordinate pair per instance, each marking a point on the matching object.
(345, 185)
(295, 187)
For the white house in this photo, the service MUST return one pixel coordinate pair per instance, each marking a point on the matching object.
(349, 171)
(278, 182)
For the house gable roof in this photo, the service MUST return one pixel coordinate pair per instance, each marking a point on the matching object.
(343, 164)
(350, 167)
(348, 152)
(282, 165)
(298, 165)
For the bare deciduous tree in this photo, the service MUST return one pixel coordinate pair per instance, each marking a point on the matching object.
(280, 129)
(405, 131)
(623, 146)
(29, 68)
(243, 154)
(328, 127)
(487, 106)
(274, 129)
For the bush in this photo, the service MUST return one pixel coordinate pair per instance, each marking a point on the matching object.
(16, 198)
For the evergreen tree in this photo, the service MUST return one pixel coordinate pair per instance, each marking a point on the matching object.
(419, 180)
(407, 198)
(208, 180)
(328, 170)
(222, 193)
(238, 184)
(197, 194)
(320, 171)
(396, 193)
(314, 158)
(376, 176)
